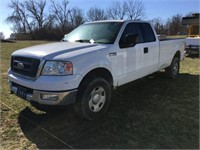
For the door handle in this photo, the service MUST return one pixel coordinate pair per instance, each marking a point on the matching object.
(113, 54)
(146, 50)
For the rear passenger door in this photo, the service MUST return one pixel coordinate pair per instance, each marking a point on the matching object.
(150, 56)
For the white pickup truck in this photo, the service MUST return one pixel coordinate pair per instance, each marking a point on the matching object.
(92, 60)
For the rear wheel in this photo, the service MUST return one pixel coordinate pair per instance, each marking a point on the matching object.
(93, 98)
(173, 70)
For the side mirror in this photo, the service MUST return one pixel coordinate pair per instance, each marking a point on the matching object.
(129, 41)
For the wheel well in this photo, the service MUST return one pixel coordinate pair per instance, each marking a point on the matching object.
(99, 72)
(178, 55)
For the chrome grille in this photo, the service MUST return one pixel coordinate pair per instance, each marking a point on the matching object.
(25, 66)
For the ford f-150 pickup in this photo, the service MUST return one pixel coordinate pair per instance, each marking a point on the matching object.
(90, 61)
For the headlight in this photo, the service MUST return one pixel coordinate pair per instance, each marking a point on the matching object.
(57, 68)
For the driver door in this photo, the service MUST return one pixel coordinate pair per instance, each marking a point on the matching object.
(134, 54)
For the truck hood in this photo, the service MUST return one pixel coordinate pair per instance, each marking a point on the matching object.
(52, 51)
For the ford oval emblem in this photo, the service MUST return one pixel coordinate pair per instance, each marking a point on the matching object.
(20, 65)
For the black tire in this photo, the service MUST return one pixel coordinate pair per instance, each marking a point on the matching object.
(173, 70)
(93, 98)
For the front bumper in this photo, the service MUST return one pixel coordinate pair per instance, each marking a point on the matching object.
(47, 83)
(43, 97)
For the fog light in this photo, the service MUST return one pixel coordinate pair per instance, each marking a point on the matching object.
(49, 97)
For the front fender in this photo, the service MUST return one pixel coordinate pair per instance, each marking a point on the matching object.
(91, 64)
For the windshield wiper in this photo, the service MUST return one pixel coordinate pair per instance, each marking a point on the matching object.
(82, 41)
(104, 42)
(92, 41)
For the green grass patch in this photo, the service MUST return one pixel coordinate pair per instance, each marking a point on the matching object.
(153, 112)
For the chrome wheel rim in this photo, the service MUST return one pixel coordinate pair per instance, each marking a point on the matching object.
(97, 99)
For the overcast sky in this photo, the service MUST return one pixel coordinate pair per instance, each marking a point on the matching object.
(153, 8)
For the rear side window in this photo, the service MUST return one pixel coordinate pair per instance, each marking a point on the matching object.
(148, 34)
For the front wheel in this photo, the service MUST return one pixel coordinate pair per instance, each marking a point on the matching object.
(173, 70)
(93, 98)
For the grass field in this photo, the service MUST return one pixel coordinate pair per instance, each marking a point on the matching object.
(153, 112)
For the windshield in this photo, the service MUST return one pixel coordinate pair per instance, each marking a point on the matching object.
(99, 32)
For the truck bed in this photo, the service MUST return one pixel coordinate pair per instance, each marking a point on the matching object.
(168, 48)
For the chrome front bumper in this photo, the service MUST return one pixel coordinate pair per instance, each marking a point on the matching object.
(44, 97)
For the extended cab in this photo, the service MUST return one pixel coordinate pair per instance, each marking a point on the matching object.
(90, 61)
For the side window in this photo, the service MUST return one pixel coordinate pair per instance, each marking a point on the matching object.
(148, 34)
(131, 28)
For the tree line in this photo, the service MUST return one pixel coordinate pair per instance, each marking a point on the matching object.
(172, 26)
(51, 21)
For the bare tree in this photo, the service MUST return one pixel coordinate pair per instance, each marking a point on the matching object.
(19, 16)
(174, 25)
(117, 10)
(95, 14)
(134, 9)
(37, 13)
(61, 13)
(76, 17)
(28, 15)
(159, 25)
(31, 16)
(131, 9)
